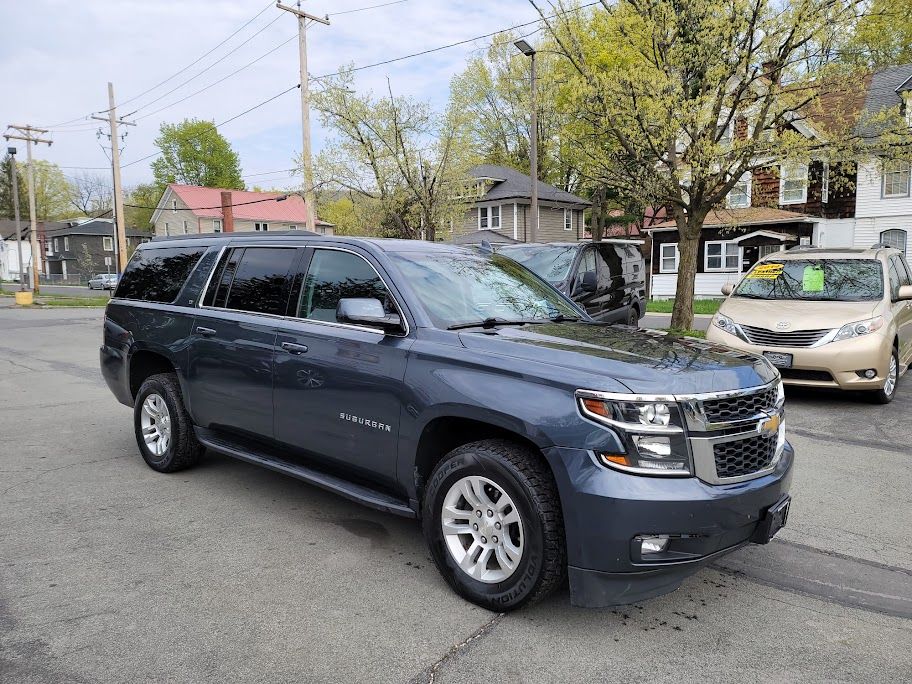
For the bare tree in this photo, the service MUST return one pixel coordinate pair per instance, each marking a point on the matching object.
(91, 194)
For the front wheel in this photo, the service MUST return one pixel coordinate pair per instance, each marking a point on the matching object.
(493, 523)
(633, 317)
(885, 395)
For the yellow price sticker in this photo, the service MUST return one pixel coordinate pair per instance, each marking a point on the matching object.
(766, 272)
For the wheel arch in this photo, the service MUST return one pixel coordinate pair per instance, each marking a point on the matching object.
(146, 362)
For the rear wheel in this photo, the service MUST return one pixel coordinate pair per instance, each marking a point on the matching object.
(633, 317)
(163, 429)
(493, 523)
(886, 394)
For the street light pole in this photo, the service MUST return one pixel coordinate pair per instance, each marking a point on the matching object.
(14, 179)
(529, 51)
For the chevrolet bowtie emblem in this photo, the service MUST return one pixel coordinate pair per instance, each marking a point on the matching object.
(769, 426)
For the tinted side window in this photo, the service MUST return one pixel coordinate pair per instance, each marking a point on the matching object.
(901, 271)
(336, 275)
(157, 275)
(261, 282)
(587, 262)
(609, 264)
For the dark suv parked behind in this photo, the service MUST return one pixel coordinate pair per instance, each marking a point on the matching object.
(607, 278)
(457, 387)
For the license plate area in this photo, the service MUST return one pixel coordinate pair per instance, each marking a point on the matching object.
(774, 520)
(779, 359)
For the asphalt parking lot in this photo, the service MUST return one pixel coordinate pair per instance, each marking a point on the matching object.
(110, 572)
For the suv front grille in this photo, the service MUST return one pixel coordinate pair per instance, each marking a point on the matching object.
(744, 456)
(740, 407)
(779, 338)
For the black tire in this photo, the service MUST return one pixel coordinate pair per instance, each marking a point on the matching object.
(881, 396)
(184, 451)
(526, 478)
(633, 317)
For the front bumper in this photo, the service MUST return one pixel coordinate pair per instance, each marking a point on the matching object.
(840, 360)
(604, 510)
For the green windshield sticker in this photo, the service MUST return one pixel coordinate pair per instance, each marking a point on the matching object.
(766, 272)
(813, 279)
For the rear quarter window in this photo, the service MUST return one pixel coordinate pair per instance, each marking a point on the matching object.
(157, 275)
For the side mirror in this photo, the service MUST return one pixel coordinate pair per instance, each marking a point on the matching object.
(366, 311)
(587, 282)
(727, 289)
(905, 293)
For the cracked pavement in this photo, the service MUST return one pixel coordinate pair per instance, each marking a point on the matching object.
(110, 572)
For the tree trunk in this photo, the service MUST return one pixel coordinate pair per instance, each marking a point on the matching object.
(688, 252)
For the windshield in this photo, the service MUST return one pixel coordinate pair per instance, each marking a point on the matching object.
(846, 280)
(551, 262)
(456, 288)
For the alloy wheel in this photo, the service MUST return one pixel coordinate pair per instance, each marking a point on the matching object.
(156, 424)
(890, 382)
(483, 529)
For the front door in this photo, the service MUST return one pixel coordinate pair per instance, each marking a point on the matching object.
(588, 300)
(229, 378)
(339, 388)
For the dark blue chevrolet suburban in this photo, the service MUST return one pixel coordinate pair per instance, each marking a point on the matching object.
(457, 387)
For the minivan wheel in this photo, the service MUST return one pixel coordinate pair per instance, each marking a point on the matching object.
(163, 429)
(493, 523)
(633, 317)
(886, 394)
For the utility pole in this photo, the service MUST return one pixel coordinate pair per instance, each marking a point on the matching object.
(524, 47)
(28, 134)
(120, 237)
(309, 196)
(14, 184)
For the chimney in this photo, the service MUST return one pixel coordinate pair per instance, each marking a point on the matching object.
(227, 212)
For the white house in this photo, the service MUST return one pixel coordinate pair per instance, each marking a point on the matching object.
(9, 251)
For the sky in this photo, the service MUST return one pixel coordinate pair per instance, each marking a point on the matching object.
(57, 56)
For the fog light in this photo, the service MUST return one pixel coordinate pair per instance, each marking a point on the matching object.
(870, 373)
(655, 544)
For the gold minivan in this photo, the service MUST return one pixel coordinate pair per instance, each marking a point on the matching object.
(825, 317)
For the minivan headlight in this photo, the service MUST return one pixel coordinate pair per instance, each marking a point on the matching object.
(723, 322)
(652, 431)
(859, 328)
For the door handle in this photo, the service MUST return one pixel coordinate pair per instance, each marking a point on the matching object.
(293, 348)
(205, 332)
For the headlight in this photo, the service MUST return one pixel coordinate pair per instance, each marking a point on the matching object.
(859, 328)
(725, 323)
(653, 432)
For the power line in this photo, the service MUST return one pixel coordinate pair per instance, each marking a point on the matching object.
(214, 83)
(280, 198)
(362, 9)
(197, 75)
(202, 57)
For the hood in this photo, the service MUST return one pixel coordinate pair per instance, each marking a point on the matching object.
(645, 361)
(796, 314)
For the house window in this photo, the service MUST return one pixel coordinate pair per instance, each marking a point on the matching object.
(568, 219)
(668, 257)
(322, 230)
(740, 195)
(66, 244)
(167, 228)
(107, 243)
(894, 238)
(48, 247)
(895, 179)
(261, 226)
(217, 225)
(186, 227)
(721, 256)
(173, 205)
(489, 217)
(766, 250)
(293, 226)
(56, 245)
(793, 183)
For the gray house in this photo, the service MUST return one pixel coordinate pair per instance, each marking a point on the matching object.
(502, 202)
(82, 249)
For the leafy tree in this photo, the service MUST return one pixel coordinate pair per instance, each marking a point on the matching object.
(494, 94)
(882, 36)
(6, 195)
(395, 155)
(193, 152)
(85, 262)
(677, 99)
(143, 198)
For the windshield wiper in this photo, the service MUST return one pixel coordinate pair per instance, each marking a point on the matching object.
(750, 296)
(561, 318)
(492, 322)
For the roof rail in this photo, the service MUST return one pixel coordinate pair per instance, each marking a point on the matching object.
(234, 234)
(798, 248)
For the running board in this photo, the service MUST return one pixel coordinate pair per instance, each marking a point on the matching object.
(350, 490)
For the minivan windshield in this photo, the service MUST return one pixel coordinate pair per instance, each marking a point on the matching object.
(461, 288)
(551, 262)
(844, 280)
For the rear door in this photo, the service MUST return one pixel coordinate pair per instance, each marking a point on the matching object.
(339, 388)
(229, 374)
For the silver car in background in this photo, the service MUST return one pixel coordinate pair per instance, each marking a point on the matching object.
(103, 281)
